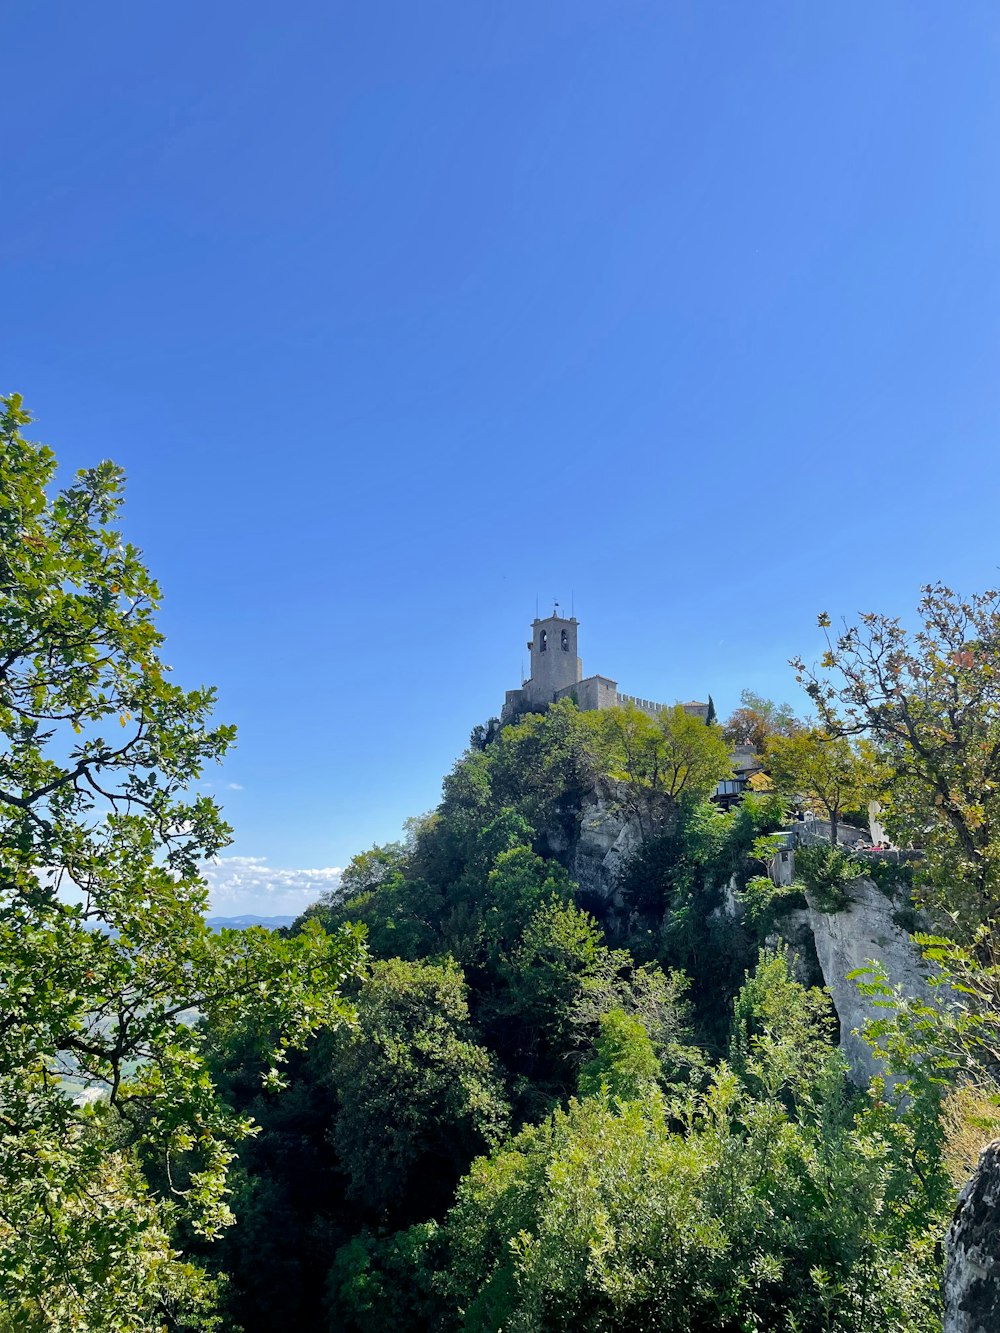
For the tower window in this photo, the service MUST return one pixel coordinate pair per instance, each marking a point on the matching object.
(565, 642)
(543, 641)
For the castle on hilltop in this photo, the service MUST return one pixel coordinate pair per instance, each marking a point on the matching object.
(557, 673)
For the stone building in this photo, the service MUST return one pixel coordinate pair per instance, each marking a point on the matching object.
(556, 672)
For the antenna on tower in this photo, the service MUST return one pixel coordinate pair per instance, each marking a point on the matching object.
(572, 605)
(536, 605)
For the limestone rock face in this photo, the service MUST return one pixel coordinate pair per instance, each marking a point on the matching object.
(972, 1271)
(827, 945)
(605, 838)
(795, 929)
(846, 940)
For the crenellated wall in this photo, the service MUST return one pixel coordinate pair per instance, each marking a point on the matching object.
(645, 705)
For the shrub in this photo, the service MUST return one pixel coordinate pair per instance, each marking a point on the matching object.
(826, 871)
(766, 902)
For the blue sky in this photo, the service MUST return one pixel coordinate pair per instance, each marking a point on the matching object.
(400, 315)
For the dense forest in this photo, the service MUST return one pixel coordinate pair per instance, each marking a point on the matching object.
(556, 1114)
(461, 1092)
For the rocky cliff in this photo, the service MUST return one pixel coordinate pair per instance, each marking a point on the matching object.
(605, 838)
(829, 945)
(972, 1272)
(864, 930)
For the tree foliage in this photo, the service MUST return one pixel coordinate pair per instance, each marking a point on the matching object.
(659, 761)
(772, 1199)
(758, 719)
(412, 1069)
(103, 949)
(823, 771)
(624, 1064)
(929, 701)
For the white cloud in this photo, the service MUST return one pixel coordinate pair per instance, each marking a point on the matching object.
(240, 885)
(235, 786)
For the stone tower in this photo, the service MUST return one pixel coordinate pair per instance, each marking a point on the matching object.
(556, 672)
(555, 665)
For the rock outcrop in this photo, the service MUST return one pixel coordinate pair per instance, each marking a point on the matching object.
(972, 1271)
(605, 839)
(827, 945)
(864, 930)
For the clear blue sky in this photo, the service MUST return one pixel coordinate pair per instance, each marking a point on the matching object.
(398, 315)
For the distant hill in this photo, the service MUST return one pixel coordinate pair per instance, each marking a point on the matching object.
(242, 922)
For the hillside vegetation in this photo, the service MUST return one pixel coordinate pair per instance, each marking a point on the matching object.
(549, 1117)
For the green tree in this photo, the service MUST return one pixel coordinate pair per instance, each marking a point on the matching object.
(484, 734)
(676, 885)
(542, 980)
(773, 1199)
(413, 1073)
(287, 1188)
(542, 765)
(659, 761)
(822, 770)
(782, 1031)
(402, 917)
(519, 884)
(929, 702)
(401, 914)
(368, 870)
(625, 1064)
(555, 988)
(387, 1283)
(103, 947)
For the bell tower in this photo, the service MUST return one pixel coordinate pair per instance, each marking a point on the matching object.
(555, 665)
